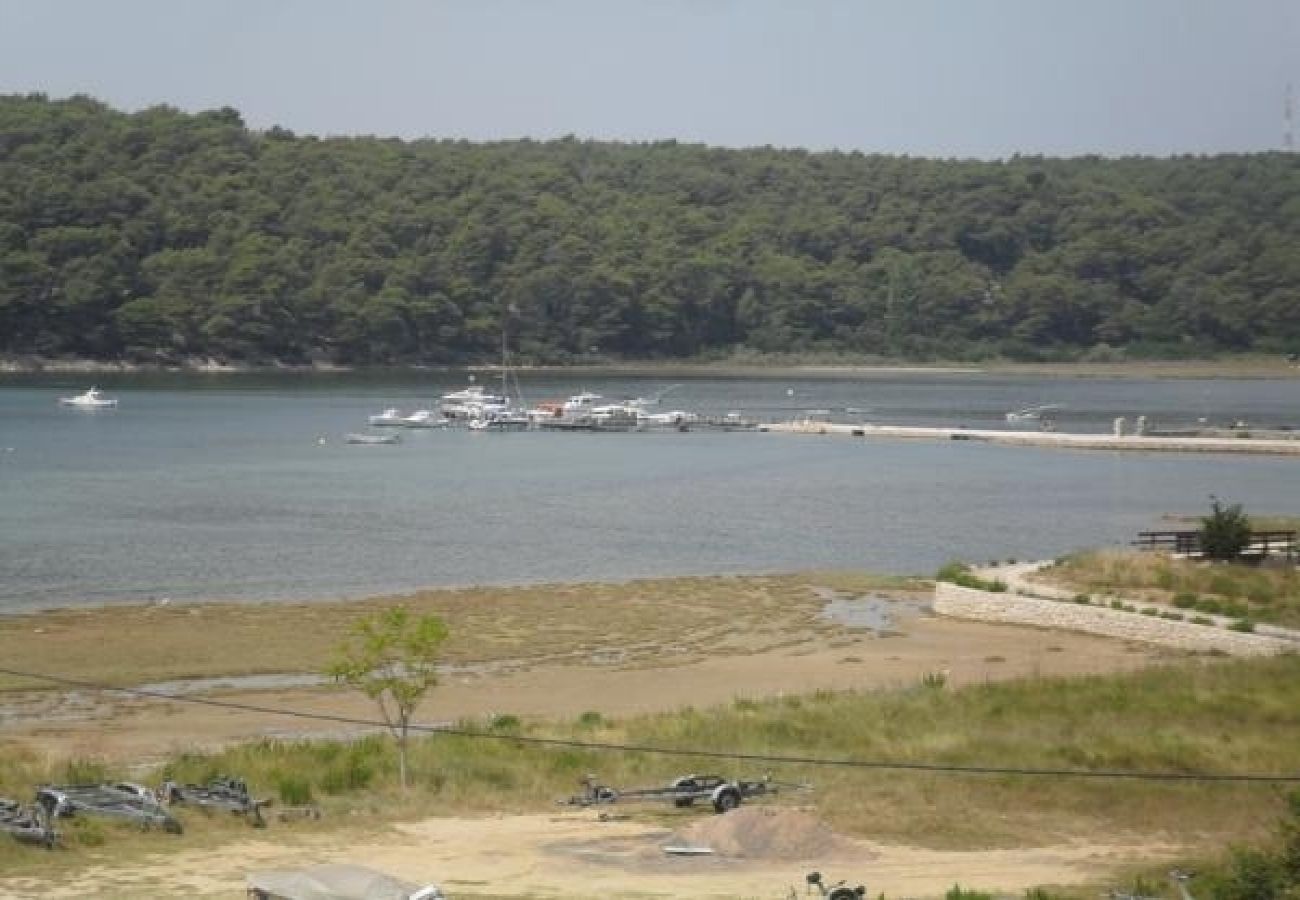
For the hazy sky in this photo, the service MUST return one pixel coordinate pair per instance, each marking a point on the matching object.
(925, 77)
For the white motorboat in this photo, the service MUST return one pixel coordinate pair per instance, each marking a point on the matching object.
(580, 403)
(362, 438)
(501, 420)
(91, 399)
(390, 416)
(676, 419)
(422, 418)
(1034, 413)
(465, 403)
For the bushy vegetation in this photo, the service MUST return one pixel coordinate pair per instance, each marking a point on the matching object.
(960, 574)
(1267, 872)
(161, 236)
(1225, 532)
(1251, 593)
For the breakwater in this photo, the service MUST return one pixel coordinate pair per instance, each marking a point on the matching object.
(1058, 439)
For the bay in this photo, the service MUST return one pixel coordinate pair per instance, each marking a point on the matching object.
(211, 487)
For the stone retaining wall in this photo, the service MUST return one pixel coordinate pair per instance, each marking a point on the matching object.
(1014, 609)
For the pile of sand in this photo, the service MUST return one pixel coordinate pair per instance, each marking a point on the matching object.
(761, 832)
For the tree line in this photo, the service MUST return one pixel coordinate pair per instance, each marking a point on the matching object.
(162, 236)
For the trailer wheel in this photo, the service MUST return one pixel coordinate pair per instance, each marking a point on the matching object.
(683, 802)
(844, 893)
(726, 800)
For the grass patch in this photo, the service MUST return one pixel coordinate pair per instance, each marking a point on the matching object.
(1204, 716)
(960, 574)
(1259, 593)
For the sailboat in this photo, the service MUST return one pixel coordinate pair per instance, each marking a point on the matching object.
(502, 417)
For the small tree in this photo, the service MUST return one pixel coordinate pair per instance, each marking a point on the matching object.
(1225, 532)
(391, 658)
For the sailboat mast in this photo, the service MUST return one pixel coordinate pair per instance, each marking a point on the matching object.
(505, 391)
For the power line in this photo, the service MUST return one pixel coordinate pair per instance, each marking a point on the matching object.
(605, 746)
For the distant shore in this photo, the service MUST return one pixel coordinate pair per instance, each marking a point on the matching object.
(1245, 367)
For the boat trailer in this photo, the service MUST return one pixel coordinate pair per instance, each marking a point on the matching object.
(27, 824)
(221, 793)
(128, 802)
(838, 891)
(725, 794)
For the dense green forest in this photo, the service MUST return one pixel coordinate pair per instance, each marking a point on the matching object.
(164, 236)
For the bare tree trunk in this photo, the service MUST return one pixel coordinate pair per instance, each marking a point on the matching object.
(401, 756)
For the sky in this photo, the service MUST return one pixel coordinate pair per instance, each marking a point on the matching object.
(937, 78)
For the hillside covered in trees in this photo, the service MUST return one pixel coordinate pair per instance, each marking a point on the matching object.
(164, 236)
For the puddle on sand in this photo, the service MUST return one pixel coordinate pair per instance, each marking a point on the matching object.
(875, 612)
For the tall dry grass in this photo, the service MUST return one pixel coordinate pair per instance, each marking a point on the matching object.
(1203, 717)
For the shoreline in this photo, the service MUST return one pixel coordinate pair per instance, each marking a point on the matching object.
(1249, 367)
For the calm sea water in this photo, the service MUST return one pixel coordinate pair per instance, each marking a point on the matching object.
(218, 487)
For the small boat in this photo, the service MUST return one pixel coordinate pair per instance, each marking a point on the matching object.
(1034, 413)
(678, 420)
(421, 418)
(465, 403)
(361, 438)
(501, 420)
(91, 399)
(580, 403)
(336, 881)
(390, 416)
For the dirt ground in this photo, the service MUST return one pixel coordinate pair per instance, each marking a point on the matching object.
(575, 855)
(578, 855)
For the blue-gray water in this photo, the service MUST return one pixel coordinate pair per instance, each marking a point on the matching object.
(215, 487)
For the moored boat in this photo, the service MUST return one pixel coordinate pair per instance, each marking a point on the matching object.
(422, 418)
(390, 416)
(465, 403)
(91, 399)
(362, 438)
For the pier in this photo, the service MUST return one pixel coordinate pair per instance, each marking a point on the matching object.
(1147, 443)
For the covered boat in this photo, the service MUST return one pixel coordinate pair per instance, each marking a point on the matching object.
(336, 882)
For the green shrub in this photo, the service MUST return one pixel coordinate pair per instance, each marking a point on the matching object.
(1243, 625)
(591, 719)
(353, 772)
(293, 790)
(959, 573)
(1185, 600)
(1150, 611)
(1201, 620)
(956, 893)
(505, 722)
(1226, 584)
(1225, 532)
(1082, 599)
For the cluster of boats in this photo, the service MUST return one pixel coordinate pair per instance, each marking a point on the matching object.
(479, 410)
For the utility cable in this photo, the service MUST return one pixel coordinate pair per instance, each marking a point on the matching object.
(606, 746)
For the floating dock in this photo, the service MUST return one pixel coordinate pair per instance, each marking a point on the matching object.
(1065, 440)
